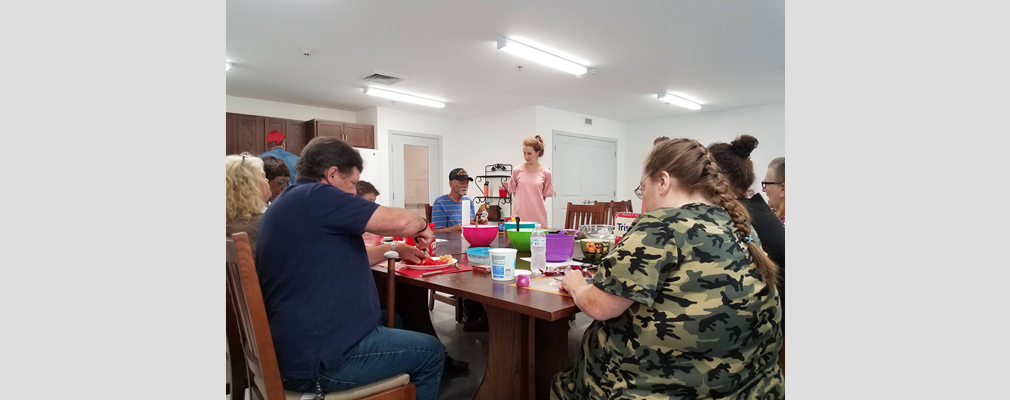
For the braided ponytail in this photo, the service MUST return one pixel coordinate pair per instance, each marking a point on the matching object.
(693, 165)
(721, 191)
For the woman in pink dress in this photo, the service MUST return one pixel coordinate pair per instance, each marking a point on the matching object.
(531, 184)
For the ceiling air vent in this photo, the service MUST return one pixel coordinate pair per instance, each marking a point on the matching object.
(382, 78)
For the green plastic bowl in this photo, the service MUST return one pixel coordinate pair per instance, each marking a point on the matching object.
(520, 240)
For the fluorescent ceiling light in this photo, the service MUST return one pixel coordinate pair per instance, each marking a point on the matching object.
(404, 97)
(686, 97)
(542, 57)
(227, 66)
(679, 101)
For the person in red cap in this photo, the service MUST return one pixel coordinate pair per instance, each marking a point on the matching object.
(275, 142)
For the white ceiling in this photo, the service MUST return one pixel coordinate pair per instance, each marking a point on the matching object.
(729, 54)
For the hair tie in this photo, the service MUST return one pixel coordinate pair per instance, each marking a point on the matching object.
(748, 239)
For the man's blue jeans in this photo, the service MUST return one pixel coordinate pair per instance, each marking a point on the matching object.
(383, 354)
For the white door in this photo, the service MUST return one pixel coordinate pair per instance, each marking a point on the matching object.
(416, 165)
(585, 170)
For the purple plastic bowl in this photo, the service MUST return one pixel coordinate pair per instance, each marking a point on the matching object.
(559, 247)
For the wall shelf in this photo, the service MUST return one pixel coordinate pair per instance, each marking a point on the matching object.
(497, 174)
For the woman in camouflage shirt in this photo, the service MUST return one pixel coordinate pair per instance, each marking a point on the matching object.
(685, 304)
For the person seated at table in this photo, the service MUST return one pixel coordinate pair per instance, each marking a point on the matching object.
(317, 284)
(738, 170)
(685, 304)
(447, 215)
(774, 186)
(246, 194)
(367, 190)
(447, 210)
(277, 174)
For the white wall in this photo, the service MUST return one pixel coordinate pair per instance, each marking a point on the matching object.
(766, 123)
(491, 139)
(242, 105)
(549, 120)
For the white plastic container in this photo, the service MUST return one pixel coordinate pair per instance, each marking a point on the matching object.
(465, 212)
(503, 264)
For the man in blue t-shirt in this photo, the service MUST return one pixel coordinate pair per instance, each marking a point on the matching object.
(320, 297)
(278, 148)
(447, 210)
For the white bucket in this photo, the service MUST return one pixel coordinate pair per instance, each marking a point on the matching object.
(503, 264)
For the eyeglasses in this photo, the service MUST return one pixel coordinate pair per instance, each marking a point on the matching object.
(638, 191)
(765, 184)
(283, 184)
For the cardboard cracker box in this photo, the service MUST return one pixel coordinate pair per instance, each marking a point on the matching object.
(622, 221)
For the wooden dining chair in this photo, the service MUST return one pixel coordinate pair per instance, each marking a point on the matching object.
(238, 374)
(455, 302)
(612, 207)
(427, 213)
(259, 358)
(581, 214)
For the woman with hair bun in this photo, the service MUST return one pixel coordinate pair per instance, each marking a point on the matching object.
(738, 170)
(531, 184)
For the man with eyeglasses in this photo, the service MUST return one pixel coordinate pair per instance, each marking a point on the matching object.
(278, 175)
(278, 148)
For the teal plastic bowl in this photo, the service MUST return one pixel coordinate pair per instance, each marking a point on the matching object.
(511, 225)
(520, 240)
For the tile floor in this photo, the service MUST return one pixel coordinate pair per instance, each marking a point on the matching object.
(472, 347)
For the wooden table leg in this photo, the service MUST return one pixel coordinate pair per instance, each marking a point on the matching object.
(524, 353)
(411, 305)
(552, 353)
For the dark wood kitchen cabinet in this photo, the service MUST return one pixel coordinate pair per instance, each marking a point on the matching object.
(356, 135)
(248, 133)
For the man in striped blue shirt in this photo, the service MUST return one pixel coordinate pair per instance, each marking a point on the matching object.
(447, 210)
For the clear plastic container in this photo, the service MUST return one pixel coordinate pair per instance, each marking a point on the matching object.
(538, 249)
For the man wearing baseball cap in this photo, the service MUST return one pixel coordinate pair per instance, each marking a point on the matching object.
(275, 142)
(446, 211)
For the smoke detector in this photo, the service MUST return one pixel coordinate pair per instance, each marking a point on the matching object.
(305, 51)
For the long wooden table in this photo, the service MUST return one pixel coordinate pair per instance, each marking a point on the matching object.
(527, 329)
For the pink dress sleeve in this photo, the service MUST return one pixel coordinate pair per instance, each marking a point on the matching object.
(548, 189)
(511, 184)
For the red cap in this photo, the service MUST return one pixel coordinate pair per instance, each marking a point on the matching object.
(275, 136)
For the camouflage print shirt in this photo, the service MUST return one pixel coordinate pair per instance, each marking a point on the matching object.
(703, 324)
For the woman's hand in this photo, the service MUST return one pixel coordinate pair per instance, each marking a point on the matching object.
(573, 282)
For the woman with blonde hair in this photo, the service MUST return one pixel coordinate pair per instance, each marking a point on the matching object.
(247, 191)
(774, 186)
(531, 184)
(685, 304)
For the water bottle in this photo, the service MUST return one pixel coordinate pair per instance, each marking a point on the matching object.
(538, 249)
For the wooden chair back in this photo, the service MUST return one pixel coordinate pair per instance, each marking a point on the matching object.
(427, 213)
(577, 215)
(260, 359)
(257, 343)
(612, 207)
(239, 374)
